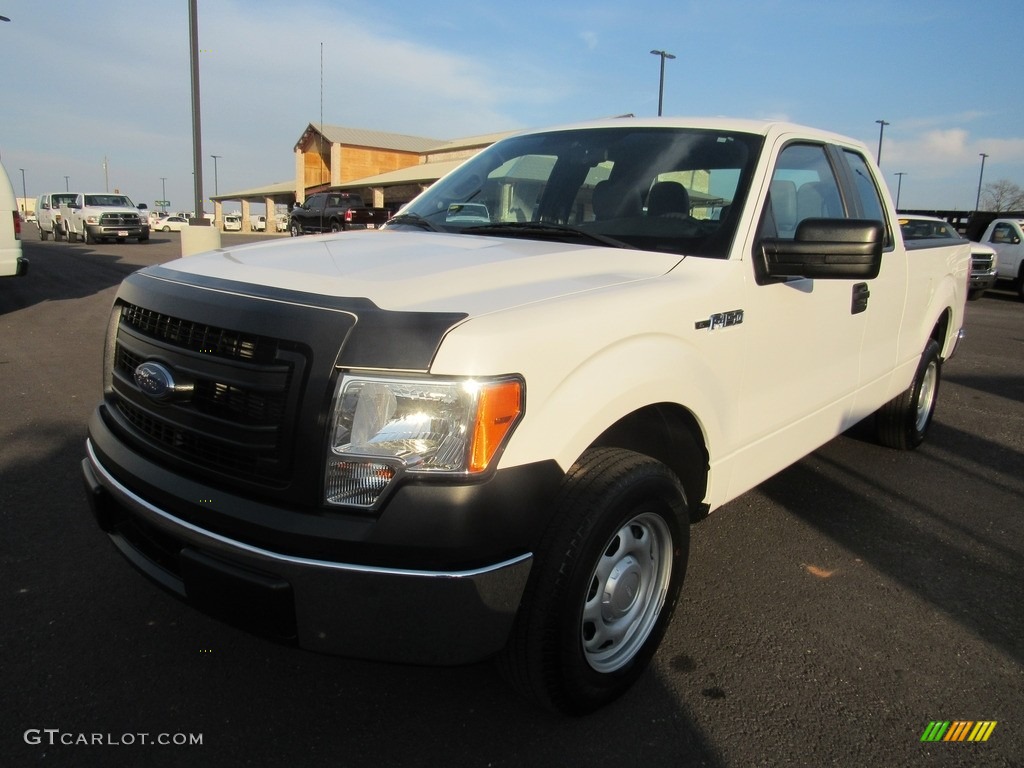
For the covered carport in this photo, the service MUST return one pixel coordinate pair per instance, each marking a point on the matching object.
(272, 195)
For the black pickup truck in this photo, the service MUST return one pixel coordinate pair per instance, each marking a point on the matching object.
(334, 212)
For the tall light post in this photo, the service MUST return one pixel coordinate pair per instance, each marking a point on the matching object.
(197, 139)
(899, 186)
(163, 192)
(215, 159)
(661, 82)
(24, 193)
(881, 130)
(67, 183)
(977, 201)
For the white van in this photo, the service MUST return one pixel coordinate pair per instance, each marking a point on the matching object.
(11, 261)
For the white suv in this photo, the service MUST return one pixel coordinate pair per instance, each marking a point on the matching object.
(11, 261)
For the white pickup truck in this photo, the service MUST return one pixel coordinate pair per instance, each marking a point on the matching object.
(486, 429)
(1006, 236)
(101, 216)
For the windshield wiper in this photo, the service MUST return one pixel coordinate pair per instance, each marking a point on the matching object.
(542, 229)
(415, 220)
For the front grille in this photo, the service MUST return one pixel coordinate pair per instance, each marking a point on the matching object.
(981, 263)
(199, 337)
(236, 421)
(119, 220)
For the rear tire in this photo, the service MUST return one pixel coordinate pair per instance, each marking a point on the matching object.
(1020, 283)
(43, 234)
(903, 422)
(604, 583)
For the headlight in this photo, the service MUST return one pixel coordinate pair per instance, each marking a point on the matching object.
(382, 427)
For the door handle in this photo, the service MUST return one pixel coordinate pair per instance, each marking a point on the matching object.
(861, 293)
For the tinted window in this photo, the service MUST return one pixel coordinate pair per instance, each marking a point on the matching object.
(868, 195)
(803, 186)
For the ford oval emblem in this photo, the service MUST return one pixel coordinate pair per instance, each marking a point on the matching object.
(155, 380)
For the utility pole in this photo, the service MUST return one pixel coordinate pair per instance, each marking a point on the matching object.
(216, 190)
(899, 186)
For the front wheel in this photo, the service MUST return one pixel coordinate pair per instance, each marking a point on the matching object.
(605, 582)
(903, 422)
(295, 231)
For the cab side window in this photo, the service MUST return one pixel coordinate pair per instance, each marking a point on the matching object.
(1003, 233)
(867, 193)
(803, 186)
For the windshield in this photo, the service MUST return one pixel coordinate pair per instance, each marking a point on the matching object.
(108, 201)
(662, 189)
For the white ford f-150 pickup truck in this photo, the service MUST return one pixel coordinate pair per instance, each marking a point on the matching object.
(485, 429)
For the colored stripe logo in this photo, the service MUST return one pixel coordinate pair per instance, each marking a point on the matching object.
(958, 730)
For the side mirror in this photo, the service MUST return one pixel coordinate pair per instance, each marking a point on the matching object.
(826, 249)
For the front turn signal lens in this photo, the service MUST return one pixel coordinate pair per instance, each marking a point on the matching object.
(499, 406)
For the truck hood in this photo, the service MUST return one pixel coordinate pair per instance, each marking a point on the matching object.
(429, 271)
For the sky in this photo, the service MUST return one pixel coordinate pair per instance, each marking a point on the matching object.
(108, 82)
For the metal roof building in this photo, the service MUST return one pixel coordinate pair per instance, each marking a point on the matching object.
(388, 169)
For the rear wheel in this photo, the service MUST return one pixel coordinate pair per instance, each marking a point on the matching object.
(605, 582)
(43, 234)
(1020, 283)
(903, 422)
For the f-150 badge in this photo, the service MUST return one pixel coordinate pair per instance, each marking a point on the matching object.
(720, 320)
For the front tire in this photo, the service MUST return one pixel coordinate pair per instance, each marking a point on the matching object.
(604, 584)
(903, 422)
(294, 230)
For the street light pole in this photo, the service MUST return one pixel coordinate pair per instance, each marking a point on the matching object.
(899, 186)
(67, 183)
(24, 193)
(977, 201)
(215, 159)
(163, 192)
(661, 82)
(197, 139)
(881, 130)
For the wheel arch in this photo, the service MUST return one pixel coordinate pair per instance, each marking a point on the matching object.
(672, 435)
(941, 330)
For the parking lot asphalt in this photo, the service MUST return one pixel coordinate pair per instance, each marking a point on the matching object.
(828, 616)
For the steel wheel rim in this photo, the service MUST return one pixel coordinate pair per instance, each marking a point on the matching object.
(927, 396)
(626, 592)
